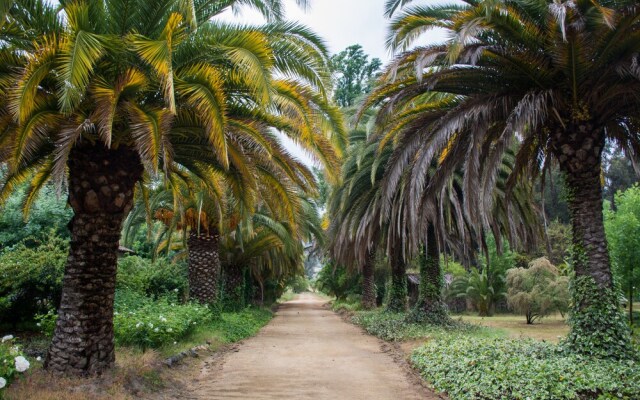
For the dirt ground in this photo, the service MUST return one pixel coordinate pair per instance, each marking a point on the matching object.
(307, 352)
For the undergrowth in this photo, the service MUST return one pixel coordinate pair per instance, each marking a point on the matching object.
(484, 368)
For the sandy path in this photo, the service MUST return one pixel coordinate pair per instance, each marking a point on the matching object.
(307, 352)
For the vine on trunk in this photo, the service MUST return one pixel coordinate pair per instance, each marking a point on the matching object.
(598, 328)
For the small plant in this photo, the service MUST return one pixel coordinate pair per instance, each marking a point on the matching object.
(12, 362)
(151, 323)
(31, 279)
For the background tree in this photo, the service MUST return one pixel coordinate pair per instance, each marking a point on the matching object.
(623, 235)
(353, 74)
(538, 290)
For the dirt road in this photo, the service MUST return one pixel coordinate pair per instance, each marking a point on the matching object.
(307, 352)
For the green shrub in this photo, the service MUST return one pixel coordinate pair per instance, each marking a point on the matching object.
(12, 362)
(233, 327)
(149, 323)
(338, 281)
(480, 368)
(153, 278)
(395, 327)
(31, 279)
(299, 284)
(538, 290)
(48, 217)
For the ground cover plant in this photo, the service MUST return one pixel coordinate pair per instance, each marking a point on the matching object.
(480, 368)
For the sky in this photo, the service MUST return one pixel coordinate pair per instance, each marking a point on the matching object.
(341, 23)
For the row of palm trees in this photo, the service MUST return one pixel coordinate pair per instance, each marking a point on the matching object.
(462, 127)
(108, 98)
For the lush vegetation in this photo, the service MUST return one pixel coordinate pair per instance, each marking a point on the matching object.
(489, 173)
(478, 368)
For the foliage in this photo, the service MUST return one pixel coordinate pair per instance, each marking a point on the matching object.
(299, 284)
(149, 323)
(559, 241)
(152, 278)
(599, 328)
(354, 74)
(538, 290)
(31, 278)
(396, 327)
(237, 326)
(484, 289)
(336, 280)
(12, 362)
(48, 217)
(619, 173)
(623, 236)
(480, 368)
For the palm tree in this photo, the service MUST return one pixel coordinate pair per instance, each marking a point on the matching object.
(556, 80)
(115, 89)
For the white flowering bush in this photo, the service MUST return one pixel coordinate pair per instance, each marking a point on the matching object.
(149, 323)
(12, 362)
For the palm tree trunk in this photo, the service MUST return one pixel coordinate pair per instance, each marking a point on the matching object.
(234, 288)
(430, 308)
(397, 293)
(368, 282)
(101, 184)
(578, 149)
(204, 265)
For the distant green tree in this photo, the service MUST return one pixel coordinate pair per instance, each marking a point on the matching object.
(538, 290)
(49, 215)
(353, 74)
(623, 235)
(338, 281)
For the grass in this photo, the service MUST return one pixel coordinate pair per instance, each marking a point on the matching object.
(135, 373)
(551, 328)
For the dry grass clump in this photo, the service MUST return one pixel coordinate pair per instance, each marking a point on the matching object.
(136, 374)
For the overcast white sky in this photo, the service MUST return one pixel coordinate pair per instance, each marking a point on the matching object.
(340, 22)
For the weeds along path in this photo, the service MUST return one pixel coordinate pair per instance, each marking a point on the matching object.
(307, 352)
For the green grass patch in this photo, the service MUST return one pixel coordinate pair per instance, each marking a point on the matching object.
(484, 368)
(228, 328)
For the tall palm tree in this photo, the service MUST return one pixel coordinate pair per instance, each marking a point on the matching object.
(101, 97)
(556, 79)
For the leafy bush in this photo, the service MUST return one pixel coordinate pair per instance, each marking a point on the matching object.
(31, 279)
(48, 217)
(395, 327)
(153, 278)
(237, 326)
(538, 290)
(338, 281)
(480, 368)
(12, 362)
(145, 322)
(299, 284)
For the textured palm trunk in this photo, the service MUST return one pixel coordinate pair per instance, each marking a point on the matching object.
(234, 287)
(204, 265)
(101, 184)
(397, 293)
(368, 282)
(578, 149)
(430, 308)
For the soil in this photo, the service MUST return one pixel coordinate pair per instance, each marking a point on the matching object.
(307, 352)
